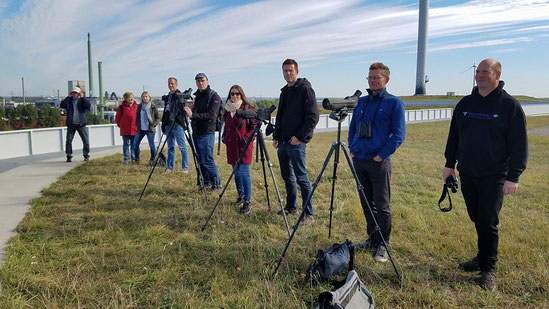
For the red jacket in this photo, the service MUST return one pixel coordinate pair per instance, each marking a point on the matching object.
(235, 139)
(125, 118)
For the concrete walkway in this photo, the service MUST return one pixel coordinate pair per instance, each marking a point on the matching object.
(22, 179)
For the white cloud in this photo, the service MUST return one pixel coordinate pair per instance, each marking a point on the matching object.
(135, 38)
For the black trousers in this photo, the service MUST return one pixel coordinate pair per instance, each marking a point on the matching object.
(71, 129)
(484, 198)
(376, 179)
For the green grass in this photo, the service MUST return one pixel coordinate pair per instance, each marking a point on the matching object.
(87, 242)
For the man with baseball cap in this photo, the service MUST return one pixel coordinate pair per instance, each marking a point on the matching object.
(76, 106)
(203, 114)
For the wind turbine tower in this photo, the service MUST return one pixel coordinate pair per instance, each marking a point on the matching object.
(421, 78)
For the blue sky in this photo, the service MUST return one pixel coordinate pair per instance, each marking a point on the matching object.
(142, 42)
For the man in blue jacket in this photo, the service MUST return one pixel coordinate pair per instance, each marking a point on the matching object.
(377, 129)
(76, 105)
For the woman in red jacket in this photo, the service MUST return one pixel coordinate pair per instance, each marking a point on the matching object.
(125, 119)
(236, 134)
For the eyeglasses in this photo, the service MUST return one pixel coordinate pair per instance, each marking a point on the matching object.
(374, 77)
(235, 93)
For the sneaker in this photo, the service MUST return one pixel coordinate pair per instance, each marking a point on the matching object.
(151, 162)
(246, 208)
(471, 265)
(287, 210)
(126, 161)
(185, 170)
(307, 220)
(86, 158)
(381, 255)
(135, 161)
(69, 158)
(488, 281)
(238, 201)
(368, 244)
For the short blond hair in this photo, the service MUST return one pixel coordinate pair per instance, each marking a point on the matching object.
(380, 66)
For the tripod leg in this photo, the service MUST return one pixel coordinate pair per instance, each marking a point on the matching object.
(238, 162)
(315, 184)
(156, 160)
(334, 178)
(196, 164)
(265, 177)
(261, 143)
(361, 191)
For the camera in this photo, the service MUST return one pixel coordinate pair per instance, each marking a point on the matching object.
(259, 114)
(335, 104)
(452, 184)
(180, 98)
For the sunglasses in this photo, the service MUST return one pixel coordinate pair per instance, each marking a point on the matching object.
(235, 93)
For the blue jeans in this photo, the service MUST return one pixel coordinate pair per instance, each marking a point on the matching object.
(137, 141)
(243, 182)
(204, 148)
(292, 166)
(127, 147)
(177, 134)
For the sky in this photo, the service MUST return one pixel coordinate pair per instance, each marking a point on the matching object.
(141, 43)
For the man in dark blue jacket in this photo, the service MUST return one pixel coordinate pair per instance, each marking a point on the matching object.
(377, 129)
(203, 114)
(488, 140)
(296, 119)
(76, 105)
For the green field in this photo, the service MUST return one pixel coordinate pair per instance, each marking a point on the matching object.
(88, 243)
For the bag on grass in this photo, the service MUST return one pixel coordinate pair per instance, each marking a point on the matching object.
(162, 159)
(333, 261)
(351, 295)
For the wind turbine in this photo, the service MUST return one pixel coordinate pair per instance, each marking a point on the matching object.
(474, 67)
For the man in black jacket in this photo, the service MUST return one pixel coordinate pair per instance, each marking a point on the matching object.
(76, 105)
(296, 119)
(488, 140)
(203, 114)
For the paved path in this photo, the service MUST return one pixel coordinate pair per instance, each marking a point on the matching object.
(22, 179)
(543, 131)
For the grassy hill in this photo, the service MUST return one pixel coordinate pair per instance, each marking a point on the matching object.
(87, 242)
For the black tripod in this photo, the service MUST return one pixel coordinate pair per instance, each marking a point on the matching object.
(193, 150)
(264, 154)
(339, 116)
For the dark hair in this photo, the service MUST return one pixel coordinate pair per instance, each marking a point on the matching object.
(242, 96)
(171, 77)
(289, 62)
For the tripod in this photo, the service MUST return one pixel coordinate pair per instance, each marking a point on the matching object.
(193, 150)
(339, 116)
(264, 154)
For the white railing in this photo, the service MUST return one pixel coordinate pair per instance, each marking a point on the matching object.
(40, 141)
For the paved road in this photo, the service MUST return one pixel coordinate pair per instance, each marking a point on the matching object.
(22, 179)
(543, 131)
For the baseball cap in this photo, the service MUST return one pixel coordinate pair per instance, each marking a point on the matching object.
(200, 75)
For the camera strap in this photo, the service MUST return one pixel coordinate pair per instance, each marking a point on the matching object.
(445, 192)
(377, 108)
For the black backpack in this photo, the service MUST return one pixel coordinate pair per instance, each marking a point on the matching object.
(335, 260)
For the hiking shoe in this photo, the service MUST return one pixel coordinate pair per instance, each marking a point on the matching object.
(381, 255)
(69, 158)
(287, 210)
(471, 265)
(246, 208)
(368, 244)
(151, 162)
(135, 161)
(185, 170)
(488, 281)
(238, 201)
(307, 220)
(86, 158)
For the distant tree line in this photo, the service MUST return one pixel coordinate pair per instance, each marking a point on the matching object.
(265, 103)
(27, 116)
